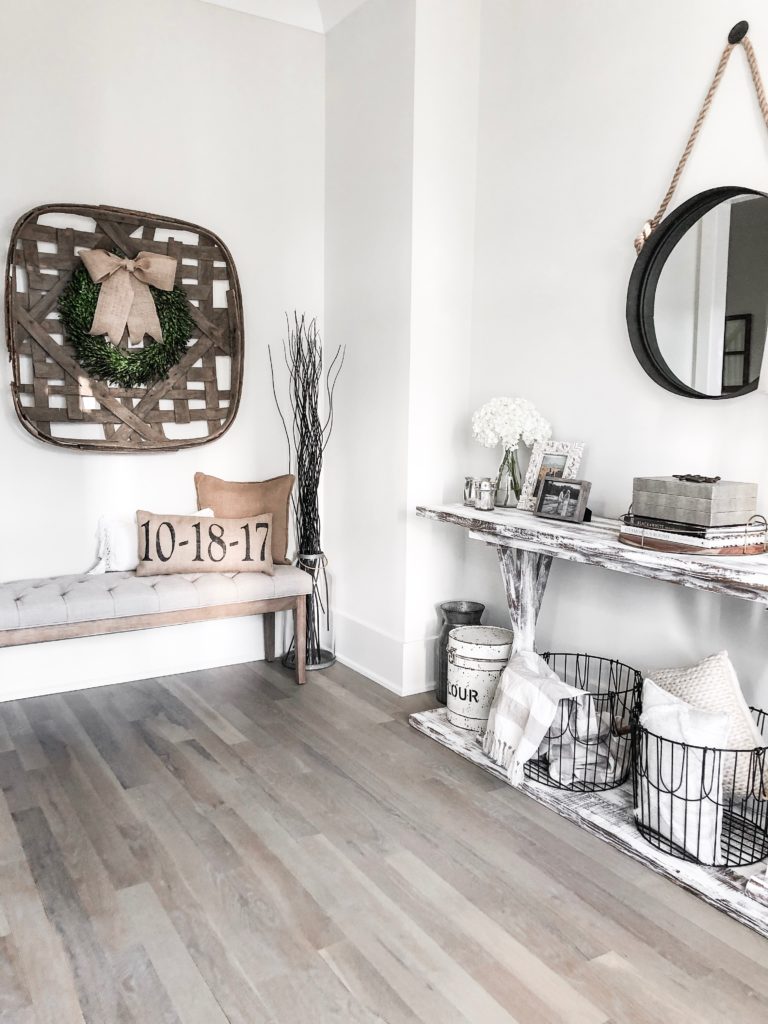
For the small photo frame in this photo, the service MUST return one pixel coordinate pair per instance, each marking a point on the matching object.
(549, 459)
(565, 500)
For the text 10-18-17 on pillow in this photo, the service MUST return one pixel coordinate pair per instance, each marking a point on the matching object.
(232, 499)
(192, 544)
(117, 550)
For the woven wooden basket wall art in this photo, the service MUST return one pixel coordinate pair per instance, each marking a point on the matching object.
(55, 398)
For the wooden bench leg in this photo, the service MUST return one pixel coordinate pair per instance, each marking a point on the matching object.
(269, 636)
(300, 638)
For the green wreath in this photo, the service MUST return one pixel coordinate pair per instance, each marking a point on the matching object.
(103, 360)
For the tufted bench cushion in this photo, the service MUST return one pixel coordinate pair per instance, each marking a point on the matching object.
(69, 607)
(61, 599)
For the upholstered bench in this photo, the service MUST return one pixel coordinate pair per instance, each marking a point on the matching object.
(65, 607)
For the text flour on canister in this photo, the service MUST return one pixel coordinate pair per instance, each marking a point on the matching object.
(477, 655)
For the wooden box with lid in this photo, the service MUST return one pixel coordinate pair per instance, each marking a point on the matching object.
(695, 502)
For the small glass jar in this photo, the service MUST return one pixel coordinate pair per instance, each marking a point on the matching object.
(470, 490)
(486, 494)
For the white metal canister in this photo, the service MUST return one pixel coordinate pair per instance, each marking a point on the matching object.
(477, 655)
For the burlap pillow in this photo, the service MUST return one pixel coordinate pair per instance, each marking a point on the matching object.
(173, 544)
(712, 685)
(233, 499)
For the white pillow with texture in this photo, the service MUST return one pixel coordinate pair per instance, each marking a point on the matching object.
(118, 548)
(712, 685)
(654, 696)
(680, 792)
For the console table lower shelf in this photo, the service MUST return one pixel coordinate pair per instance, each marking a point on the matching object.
(739, 892)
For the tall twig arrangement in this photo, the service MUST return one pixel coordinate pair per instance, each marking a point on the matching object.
(307, 437)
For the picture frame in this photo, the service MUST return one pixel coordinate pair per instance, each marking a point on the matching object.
(559, 459)
(563, 499)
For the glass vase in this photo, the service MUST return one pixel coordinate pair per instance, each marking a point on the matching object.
(508, 482)
(455, 613)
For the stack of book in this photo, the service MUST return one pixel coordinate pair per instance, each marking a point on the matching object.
(685, 538)
(695, 515)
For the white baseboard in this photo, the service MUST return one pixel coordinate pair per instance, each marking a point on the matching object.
(62, 666)
(368, 673)
(403, 667)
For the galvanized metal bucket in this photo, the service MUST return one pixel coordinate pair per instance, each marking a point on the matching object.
(477, 655)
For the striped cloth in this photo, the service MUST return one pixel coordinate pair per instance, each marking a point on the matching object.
(524, 709)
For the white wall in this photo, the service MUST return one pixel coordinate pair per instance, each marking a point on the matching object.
(522, 187)
(402, 81)
(581, 114)
(370, 89)
(578, 139)
(447, 76)
(184, 109)
(676, 303)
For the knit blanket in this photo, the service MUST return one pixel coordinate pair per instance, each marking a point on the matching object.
(525, 705)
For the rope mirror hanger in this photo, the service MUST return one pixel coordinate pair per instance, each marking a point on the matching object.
(736, 37)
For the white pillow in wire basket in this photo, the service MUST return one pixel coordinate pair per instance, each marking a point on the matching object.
(682, 799)
(117, 547)
(712, 685)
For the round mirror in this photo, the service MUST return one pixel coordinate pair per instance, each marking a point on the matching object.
(697, 308)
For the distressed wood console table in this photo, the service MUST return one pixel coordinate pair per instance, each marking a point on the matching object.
(526, 546)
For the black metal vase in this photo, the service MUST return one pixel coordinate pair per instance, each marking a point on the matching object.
(455, 613)
(318, 609)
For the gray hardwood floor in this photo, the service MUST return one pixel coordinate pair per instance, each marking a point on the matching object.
(227, 847)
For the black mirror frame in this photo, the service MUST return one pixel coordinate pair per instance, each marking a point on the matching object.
(641, 294)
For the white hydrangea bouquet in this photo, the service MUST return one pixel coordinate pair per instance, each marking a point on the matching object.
(508, 422)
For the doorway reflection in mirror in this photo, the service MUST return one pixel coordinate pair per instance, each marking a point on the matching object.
(711, 307)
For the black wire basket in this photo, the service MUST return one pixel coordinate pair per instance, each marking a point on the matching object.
(588, 746)
(701, 804)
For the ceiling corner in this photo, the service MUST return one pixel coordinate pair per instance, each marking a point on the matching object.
(314, 15)
(334, 11)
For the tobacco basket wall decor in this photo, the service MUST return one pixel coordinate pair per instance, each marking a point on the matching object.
(194, 400)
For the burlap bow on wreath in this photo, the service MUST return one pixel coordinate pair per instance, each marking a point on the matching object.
(125, 297)
(109, 291)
